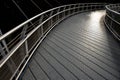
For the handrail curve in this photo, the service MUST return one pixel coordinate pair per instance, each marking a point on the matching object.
(28, 36)
(112, 19)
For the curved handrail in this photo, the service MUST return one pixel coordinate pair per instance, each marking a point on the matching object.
(24, 48)
(108, 7)
(110, 16)
(22, 24)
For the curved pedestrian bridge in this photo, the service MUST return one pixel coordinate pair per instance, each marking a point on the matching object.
(78, 48)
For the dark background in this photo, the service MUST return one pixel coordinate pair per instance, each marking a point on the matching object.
(11, 16)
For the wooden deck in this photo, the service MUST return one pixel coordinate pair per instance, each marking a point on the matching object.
(79, 48)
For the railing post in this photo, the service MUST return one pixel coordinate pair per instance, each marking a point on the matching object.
(41, 18)
(91, 7)
(26, 48)
(64, 11)
(10, 63)
(58, 14)
(95, 7)
(111, 22)
(51, 21)
(42, 31)
(82, 7)
(78, 7)
(2, 53)
(23, 34)
(87, 7)
(74, 8)
(4, 43)
(69, 10)
(41, 28)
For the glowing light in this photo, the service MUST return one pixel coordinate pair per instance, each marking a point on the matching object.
(95, 20)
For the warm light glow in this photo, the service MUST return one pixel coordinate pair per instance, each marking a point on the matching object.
(95, 19)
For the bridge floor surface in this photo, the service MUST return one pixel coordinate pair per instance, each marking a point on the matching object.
(79, 48)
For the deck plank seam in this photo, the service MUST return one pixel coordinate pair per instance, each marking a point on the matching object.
(97, 49)
(32, 73)
(97, 39)
(50, 64)
(99, 65)
(42, 69)
(60, 63)
(68, 60)
(84, 63)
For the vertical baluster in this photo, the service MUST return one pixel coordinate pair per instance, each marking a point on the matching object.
(111, 22)
(23, 33)
(82, 9)
(41, 28)
(87, 7)
(51, 20)
(26, 48)
(10, 63)
(2, 52)
(69, 10)
(58, 14)
(64, 11)
(78, 7)
(91, 7)
(74, 9)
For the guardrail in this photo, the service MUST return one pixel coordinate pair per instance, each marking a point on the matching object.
(112, 19)
(18, 45)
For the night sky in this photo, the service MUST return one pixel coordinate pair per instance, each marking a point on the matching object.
(10, 15)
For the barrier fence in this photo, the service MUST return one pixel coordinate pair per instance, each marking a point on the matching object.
(112, 19)
(18, 45)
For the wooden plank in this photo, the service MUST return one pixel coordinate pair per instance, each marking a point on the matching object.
(77, 61)
(28, 75)
(96, 41)
(48, 69)
(107, 59)
(65, 62)
(66, 74)
(92, 64)
(37, 71)
(73, 50)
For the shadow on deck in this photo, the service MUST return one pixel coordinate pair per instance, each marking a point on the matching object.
(79, 48)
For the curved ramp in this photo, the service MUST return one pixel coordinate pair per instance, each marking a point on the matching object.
(79, 48)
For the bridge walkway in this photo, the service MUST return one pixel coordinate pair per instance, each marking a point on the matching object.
(79, 48)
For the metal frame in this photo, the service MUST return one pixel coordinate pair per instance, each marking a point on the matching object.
(41, 26)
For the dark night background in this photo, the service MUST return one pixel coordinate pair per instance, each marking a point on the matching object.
(10, 15)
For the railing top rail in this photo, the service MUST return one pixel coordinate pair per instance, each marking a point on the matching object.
(109, 8)
(31, 33)
(29, 20)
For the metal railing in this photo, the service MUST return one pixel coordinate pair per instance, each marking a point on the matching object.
(112, 19)
(19, 44)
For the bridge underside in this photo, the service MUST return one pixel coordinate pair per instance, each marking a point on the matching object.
(79, 48)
